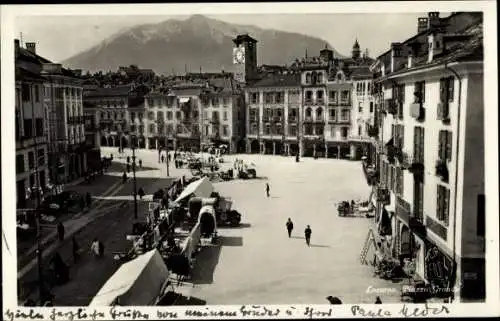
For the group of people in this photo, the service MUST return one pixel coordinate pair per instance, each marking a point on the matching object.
(307, 231)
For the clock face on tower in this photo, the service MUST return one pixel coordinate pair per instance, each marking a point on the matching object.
(238, 55)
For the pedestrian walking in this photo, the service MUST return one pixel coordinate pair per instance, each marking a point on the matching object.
(124, 177)
(308, 233)
(76, 250)
(141, 193)
(60, 231)
(268, 190)
(128, 159)
(94, 247)
(289, 227)
(128, 168)
(163, 158)
(140, 163)
(89, 200)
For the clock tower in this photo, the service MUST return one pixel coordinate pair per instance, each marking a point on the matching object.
(245, 58)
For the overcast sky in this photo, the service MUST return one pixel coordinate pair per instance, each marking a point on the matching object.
(59, 37)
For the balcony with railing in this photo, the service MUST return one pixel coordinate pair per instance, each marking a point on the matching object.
(308, 101)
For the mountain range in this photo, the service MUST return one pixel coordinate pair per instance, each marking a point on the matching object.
(174, 46)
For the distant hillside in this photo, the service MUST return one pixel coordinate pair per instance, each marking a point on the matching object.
(196, 42)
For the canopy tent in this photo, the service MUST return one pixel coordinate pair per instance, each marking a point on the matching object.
(139, 282)
(200, 188)
(207, 220)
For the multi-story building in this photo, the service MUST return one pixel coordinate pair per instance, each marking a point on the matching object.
(31, 142)
(307, 108)
(186, 113)
(431, 152)
(63, 115)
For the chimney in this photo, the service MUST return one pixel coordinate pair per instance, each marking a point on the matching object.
(31, 47)
(435, 44)
(433, 20)
(422, 24)
(16, 47)
(396, 55)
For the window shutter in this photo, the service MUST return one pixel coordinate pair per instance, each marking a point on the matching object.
(451, 88)
(415, 143)
(422, 142)
(446, 205)
(402, 93)
(442, 145)
(439, 207)
(421, 200)
(442, 90)
(401, 135)
(449, 144)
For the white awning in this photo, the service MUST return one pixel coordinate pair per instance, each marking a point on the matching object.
(184, 100)
(200, 188)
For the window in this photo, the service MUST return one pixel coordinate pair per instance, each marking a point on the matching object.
(319, 94)
(254, 98)
(344, 115)
(292, 130)
(169, 115)
(360, 107)
(267, 129)
(360, 130)
(225, 130)
(319, 113)
(159, 116)
(333, 96)
(481, 215)
(418, 144)
(308, 78)
(39, 127)
(344, 132)
(447, 89)
(31, 160)
(309, 95)
(28, 128)
(319, 130)
(371, 106)
(25, 91)
(268, 98)
(332, 130)
(225, 115)
(308, 129)
(178, 115)
(280, 98)
(399, 181)
(279, 129)
(443, 204)
(419, 92)
(445, 145)
(37, 93)
(345, 96)
(339, 76)
(19, 164)
(418, 200)
(308, 112)
(41, 157)
(253, 129)
(369, 91)
(215, 116)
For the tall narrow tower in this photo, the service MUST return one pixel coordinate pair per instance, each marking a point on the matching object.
(245, 58)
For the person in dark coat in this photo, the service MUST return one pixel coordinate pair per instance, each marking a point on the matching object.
(163, 158)
(141, 193)
(128, 159)
(89, 200)
(76, 250)
(60, 231)
(124, 177)
(82, 203)
(128, 168)
(268, 190)
(140, 163)
(307, 233)
(289, 227)
(297, 158)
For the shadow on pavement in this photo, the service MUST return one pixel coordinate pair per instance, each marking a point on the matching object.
(242, 225)
(206, 262)
(317, 245)
(121, 167)
(231, 241)
(149, 184)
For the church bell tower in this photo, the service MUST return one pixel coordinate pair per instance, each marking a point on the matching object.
(245, 58)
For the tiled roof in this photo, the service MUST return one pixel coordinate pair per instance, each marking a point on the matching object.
(360, 72)
(288, 80)
(22, 73)
(108, 92)
(34, 62)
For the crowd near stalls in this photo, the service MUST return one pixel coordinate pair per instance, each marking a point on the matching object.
(181, 221)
